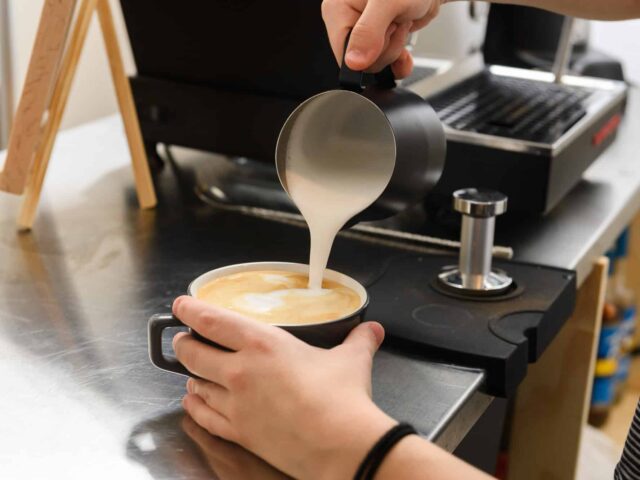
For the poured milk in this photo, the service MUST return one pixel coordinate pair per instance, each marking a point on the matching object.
(353, 168)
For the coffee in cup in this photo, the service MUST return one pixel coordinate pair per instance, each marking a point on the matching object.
(280, 297)
(274, 293)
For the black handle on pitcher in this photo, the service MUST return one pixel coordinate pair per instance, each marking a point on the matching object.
(356, 81)
(157, 324)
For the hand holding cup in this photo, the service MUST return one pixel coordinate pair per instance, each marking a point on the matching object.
(279, 397)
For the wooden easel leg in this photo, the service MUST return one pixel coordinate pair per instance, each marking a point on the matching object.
(142, 175)
(144, 183)
(56, 110)
(44, 65)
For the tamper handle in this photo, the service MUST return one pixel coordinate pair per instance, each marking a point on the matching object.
(474, 274)
(481, 203)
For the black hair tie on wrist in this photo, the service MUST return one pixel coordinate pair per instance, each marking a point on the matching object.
(376, 455)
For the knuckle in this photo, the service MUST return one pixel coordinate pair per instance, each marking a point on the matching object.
(409, 6)
(207, 324)
(207, 398)
(338, 14)
(187, 356)
(433, 11)
(257, 343)
(178, 348)
(362, 30)
(190, 359)
(198, 390)
(204, 319)
(353, 352)
(238, 437)
(402, 6)
(226, 432)
(233, 413)
(236, 378)
(366, 36)
(212, 427)
(327, 8)
(178, 306)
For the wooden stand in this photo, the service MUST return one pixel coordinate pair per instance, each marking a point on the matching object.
(552, 404)
(32, 139)
(633, 268)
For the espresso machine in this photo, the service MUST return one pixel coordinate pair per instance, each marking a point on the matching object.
(527, 105)
(203, 84)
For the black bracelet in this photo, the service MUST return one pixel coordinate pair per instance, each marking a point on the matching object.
(374, 458)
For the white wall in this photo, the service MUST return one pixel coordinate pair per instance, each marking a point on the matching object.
(454, 33)
(621, 40)
(92, 93)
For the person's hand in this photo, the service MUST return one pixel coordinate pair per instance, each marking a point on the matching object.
(305, 410)
(379, 31)
(226, 460)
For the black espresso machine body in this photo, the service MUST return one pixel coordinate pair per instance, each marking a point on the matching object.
(224, 76)
(519, 132)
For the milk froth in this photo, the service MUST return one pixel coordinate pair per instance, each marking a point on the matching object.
(280, 297)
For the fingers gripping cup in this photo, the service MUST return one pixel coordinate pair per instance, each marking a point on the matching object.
(274, 293)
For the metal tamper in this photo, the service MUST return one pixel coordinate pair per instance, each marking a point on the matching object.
(474, 275)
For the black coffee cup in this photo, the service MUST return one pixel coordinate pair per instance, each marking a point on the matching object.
(325, 334)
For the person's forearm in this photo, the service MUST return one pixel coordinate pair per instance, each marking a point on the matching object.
(593, 9)
(414, 458)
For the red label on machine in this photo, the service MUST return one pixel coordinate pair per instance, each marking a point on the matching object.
(606, 130)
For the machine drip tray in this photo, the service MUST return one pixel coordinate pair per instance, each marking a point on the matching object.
(498, 334)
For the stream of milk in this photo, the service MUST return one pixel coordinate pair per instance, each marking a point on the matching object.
(335, 181)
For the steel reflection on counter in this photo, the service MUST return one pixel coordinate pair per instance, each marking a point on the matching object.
(174, 446)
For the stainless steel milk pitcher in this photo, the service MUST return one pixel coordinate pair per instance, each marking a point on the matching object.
(372, 121)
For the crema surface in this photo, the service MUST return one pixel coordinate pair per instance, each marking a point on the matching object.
(280, 297)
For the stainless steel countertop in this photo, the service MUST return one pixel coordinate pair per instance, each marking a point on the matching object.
(79, 394)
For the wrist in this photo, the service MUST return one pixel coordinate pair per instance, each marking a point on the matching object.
(351, 442)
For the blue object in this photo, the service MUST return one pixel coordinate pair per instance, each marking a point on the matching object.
(628, 322)
(610, 340)
(612, 256)
(622, 244)
(624, 364)
(603, 391)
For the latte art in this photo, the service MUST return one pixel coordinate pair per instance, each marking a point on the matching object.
(280, 297)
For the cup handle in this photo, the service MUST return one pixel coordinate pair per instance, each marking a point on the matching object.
(157, 324)
(356, 81)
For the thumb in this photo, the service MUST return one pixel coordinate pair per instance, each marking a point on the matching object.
(366, 337)
(368, 36)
